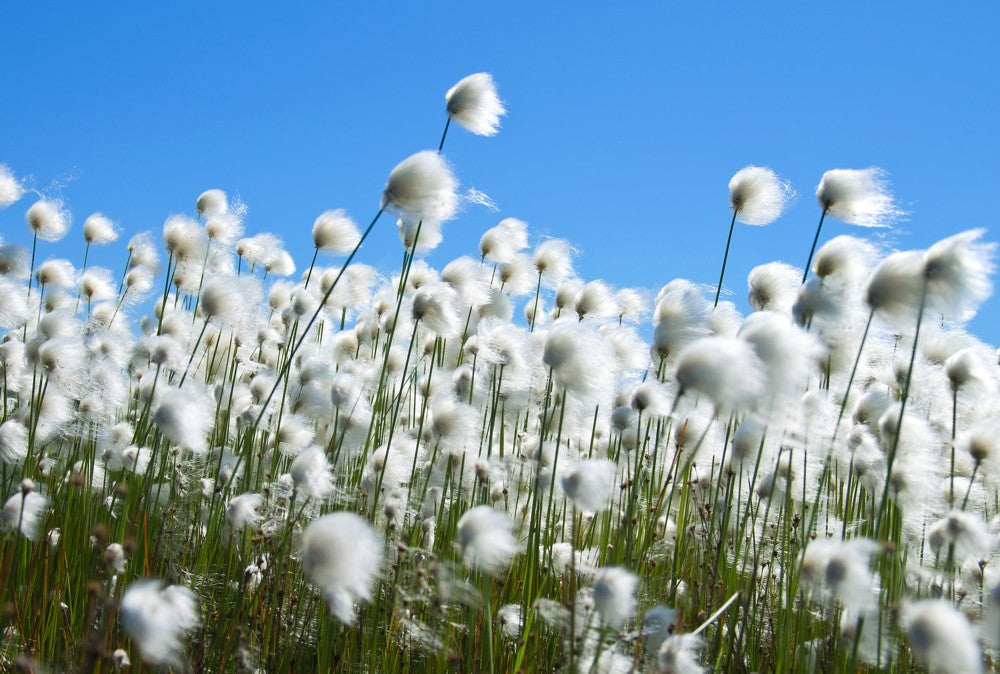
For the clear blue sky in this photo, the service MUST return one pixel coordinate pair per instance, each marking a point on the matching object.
(625, 122)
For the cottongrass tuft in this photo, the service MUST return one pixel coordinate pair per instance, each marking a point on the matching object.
(941, 637)
(486, 539)
(11, 188)
(474, 103)
(158, 618)
(422, 188)
(614, 595)
(758, 196)
(858, 197)
(49, 220)
(342, 555)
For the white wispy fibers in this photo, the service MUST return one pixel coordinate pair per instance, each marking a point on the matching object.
(185, 416)
(280, 263)
(841, 569)
(486, 539)
(758, 196)
(501, 243)
(183, 237)
(241, 511)
(896, 286)
(581, 358)
(11, 188)
(469, 278)
(726, 369)
(419, 236)
(940, 637)
(225, 297)
(14, 308)
(679, 654)
(25, 511)
(142, 252)
(342, 554)
(473, 103)
(13, 442)
(58, 273)
(632, 304)
(435, 306)
(773, 287)
(310, 473)
(844, 258)
(157, 618)
(211, 203)
(790, 354)
(614, 595)
(968, 533)
(99, 229)
(49, 220)
(595, 300)
(96, 285)
(114, 556)
(554, 261)
(335, 232)
(422, 188)
(858, 197)
(590, 484)
(957, 271)
(14, 261)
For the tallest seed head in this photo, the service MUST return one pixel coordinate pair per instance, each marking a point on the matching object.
(758, 196)
(473, 103)
(422, 187)
(858, 197)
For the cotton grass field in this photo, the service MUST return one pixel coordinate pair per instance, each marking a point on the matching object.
(218, 458)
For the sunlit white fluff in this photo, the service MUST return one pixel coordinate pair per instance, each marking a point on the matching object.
(679, 654)
(96, 284)
(841, 569)
(843, 257)
(957, 271)
(596, 300)
(469, 278)
(335, 232)
(895, 287)
(49, 220)
(758, 195)
(212, 202)
(242, 511)
(422, 188)
(99, 229)
(580, 358)
(58, 273)
(614, 595)
(554, 261)
(773, 286)
(342, 555)
(486, 539)
(968, 533)
(436, 307)
(940, 637)
(158, 618)
(858, 197)
(25, 512)
(473, 103)
(589, 484)
(725, 369)
(185, 417)
(310, 473)
(14, 261)
(183, 237)
(11, 188)
(500, 243)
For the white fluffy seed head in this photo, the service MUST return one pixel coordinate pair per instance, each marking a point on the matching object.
(342, 554)
(486, 538)
(49, 220)
(99, 229)
(896, 285)
(335, 232)
(501, 243)
(422, 188)
(941, 637)
(858, 197)
(211, 203)
(473, 103)
(758, 195)
(725, 369)
(157, 618)
(614, 595)
(185, 417)
(590, 484)
(554, 260)
(25, 511)
(11, 188)
(957, 270)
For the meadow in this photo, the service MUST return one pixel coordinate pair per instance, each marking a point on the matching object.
(218, 458)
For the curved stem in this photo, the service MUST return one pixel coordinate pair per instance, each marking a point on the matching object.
(805, 274)
(725, 257)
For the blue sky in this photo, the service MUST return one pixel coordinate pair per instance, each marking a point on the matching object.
(625, 122)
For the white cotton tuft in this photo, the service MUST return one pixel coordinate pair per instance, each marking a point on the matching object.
(843, 256)
(473, 103)
(58, 273)
(342, 554)
(758, 195)
(310, 473)
(183, 237)
(501, 243)
(679, 654)
(25, 512)
(485, 537)
(335, 232)
(99, 229)
(211, 203)
(941, 638)
(422, 188)
(225, 297)
(554, 260)
(774, 287)
(968, 533)
(157, 619)
(596, 300)
(49, 220)
(435, 305)
(858, 197)
(957, 271)
(185, 417)
(13, 442)
(96, 285)
(841, 569)
(11, 188)
(614, 595)
(896, 285)
(241, 512)
(590, 484)
(14, 261)
(469, 278)
(581, 358)
(725, 369)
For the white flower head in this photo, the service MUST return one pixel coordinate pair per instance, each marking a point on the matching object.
(335, 232)
(614, 595)
(342, 554)
(590, 484)
(473, 103)
(858, 197)
(99, 229)
(485, 537)
(49, 220)
(24, 512)
(422, 188)
(157, 619)
(11, 188)
(758, 195)
(941, 637)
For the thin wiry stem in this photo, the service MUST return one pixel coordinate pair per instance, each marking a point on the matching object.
(725, 257)
(805, 273)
